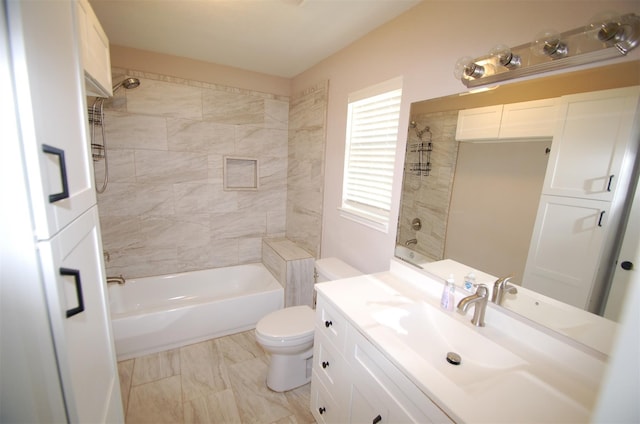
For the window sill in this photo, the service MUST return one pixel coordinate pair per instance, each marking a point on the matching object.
(376, 223)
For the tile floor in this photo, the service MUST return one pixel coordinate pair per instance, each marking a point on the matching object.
(216, 381)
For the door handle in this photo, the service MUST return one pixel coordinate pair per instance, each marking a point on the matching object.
(75, 273)
(63, 173)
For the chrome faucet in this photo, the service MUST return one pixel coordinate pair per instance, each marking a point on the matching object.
(118, 280)
(500, 288)
(410, 242)
(479, 300)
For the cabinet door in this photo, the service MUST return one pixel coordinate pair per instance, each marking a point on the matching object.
(596, 131)
(94, 43)
(566, 247)
(51, 104)
(482, 123)
(76, 295)
(535, 119)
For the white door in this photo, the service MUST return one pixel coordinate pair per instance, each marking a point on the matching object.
(50, 98)
(566, 246)
(594, 134)
(76, 295)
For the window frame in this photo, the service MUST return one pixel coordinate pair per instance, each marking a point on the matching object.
(363, 212)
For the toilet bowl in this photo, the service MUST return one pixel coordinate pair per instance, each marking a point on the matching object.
(287, 334)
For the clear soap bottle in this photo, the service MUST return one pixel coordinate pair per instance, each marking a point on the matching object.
(448, 294)
(470, 282)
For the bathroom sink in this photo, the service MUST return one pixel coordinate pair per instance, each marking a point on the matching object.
(431, 333)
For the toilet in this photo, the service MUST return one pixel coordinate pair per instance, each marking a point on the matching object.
(287, 334)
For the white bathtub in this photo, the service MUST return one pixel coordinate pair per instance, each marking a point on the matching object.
(153, 314)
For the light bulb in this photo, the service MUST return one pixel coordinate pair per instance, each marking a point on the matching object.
(548, 43)
(466, 68)
(505, 56)
(607, 26)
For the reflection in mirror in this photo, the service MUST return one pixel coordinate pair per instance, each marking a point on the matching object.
(479, 203)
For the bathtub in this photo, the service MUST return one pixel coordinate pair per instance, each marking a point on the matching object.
(153, 314)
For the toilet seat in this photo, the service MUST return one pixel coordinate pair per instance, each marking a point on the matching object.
(288, 324)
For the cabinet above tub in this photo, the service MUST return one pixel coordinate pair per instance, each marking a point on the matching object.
(94, 51)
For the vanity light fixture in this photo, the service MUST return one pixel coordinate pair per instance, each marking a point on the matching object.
(607, 36)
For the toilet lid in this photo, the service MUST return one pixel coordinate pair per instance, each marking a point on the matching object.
(290, 323)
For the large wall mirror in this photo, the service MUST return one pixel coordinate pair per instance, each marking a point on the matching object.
(477, 203)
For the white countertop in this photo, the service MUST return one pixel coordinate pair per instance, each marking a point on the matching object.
(510, 371)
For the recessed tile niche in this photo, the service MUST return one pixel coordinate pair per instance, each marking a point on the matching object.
(240, 173)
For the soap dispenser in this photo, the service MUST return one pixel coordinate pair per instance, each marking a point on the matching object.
(448, 292)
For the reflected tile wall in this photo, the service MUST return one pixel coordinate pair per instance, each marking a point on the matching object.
(428, 197)
(305, 182)
(165, 209)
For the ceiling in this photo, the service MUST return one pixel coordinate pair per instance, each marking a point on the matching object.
(275, 37)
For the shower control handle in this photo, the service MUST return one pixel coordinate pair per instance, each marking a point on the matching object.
(328, 324)
(63, 173)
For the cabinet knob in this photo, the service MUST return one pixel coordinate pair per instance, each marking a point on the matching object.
(328, 324)
(377, 419)
(321, 410)
(325, 364)
(627, 266)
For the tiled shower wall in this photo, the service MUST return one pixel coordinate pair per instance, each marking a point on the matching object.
(305, 182)
(165, 209)
(428, 197)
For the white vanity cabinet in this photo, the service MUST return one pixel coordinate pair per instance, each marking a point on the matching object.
(533, 119)
(94, 47)
(584, 197)
(354, 382)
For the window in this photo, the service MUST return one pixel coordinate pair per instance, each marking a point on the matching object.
(372, 135)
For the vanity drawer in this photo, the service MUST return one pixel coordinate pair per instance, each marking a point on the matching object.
(324, 407)
(388, 391)
(330, 367)
(331, 324)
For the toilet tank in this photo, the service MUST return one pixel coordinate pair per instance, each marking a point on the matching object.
(329, 269)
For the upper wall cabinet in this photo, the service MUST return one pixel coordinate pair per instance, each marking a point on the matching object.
(94, 48)
(594, 136)
(534, 119)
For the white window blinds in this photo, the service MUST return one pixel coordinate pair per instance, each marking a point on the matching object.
(372, 135)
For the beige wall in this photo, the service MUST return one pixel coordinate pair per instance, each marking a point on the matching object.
(422, 46)
(195, 70)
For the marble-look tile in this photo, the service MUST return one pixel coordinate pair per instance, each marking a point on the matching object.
(273, 173)
(299, 288)
(156, 167)
(125, 373)
(239, 347)
(234, 225)
(132, 131)
(256, 403)
(232, 108)
(219, 407)
(186, 135)
(165, 99)
(202, 370)
(262, 200)
(156, 402)
(250, 250)
(155, 367)
(142, 261)
(237, 392)
(274, 263)
(257, 141)
(277, 223)
(120, 232)
(287, 249)
(276, 114)
(121, 166)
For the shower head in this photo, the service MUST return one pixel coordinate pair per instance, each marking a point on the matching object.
(127, 83)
